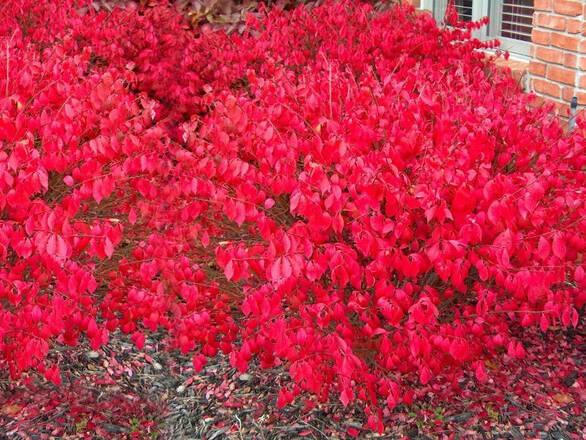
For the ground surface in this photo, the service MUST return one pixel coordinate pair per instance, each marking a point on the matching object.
(126, 393)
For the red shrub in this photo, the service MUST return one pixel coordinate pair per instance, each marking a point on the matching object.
(359, 196)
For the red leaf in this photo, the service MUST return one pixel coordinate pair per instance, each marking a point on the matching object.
(51, 218)
(559, 246)
(205, 239)
(276, 270)
(566, 316)
(579, 274)
(36, 313)
(520, 351)
(240, 213)
(480, 372)
(132, 216)
(92, 328)
(543, 323)
(138, 339)
(346, 396)
(108, 247)
(338, 223)
(53, 375)
(511, 349)
(51, 247)
(24, 248)
(574, 317)
(294, 202)
(97, 191)
(57, 247)
(424, 375)
(543, 248)
(44, 181)
(352, 432)
(459, 349)
(198, 361)
(62, 250)
(285, 398)
(96, 341)
(314, 271)
(430, 213)
(286, 268)
(229, 270)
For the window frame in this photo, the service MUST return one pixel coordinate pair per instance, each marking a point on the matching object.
(483, 8)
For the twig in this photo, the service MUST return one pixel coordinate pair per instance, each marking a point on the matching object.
(7, 66)
(239, 426)
(330, 89)
(316, 428)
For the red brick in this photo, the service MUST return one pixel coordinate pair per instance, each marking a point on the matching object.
(562, 109)
(540, 37)
(549, 55)
(574, 25)
(567, 93)
(560, 74)
(550, 21)
(583, 46)
(542, 5)
(537, 68)
(582, 83)
(567, 7)
(546, 87)
(570, 60)
(565, 41)
(538, 101)
(583, 63)
(518, 75)
(518, 68)
(581, 98)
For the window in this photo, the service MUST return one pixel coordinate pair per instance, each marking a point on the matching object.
(463, 7)
(513, 18)
(510, 20)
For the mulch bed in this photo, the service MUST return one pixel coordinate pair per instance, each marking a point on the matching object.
(122, 393)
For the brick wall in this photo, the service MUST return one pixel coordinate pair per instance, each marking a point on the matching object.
(416, 3)
(557, 69)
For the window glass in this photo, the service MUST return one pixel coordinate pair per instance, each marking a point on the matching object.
(516, 19)
(464, 8)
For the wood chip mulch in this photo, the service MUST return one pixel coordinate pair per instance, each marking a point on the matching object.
(119, 392)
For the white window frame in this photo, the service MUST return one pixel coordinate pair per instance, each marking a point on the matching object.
(483, 8)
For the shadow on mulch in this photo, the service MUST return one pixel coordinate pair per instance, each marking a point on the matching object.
(120, 392)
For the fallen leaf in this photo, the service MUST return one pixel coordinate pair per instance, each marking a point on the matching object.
(11, 410)
(563, 398)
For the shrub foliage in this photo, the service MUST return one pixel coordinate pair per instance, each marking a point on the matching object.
(359, 196)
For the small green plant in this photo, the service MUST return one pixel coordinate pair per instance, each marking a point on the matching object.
(135, 424)
(81, 425)
(492, 413)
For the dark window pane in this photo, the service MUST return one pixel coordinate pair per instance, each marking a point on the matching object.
(464, 8)
(516, 19)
